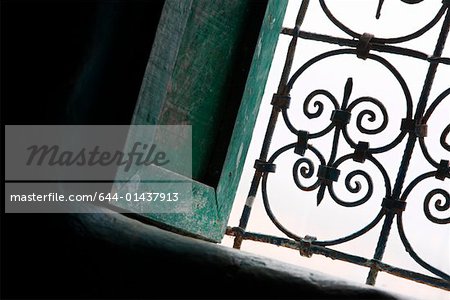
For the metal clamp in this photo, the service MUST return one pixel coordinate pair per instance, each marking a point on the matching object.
(305, 245)
(443, 170)
(393, 204)
(340, 117)
(302, 142)
(328, 174)
(361, 152)
(281, 101)
(264, 167)
(410, 125)
(364, 45)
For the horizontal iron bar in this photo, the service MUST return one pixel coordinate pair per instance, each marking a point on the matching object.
(334, 254)
(375, 46)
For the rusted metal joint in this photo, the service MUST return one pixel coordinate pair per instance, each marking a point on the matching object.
(375, 263)
(410, 125)
(340, 117)
(281, 101)
(421, 130)
(394, 205)
(364, 46)
(328, 174)
(302, 142)
(305, 245)
(236, 231)
(238, 234)
(443, 171)
(361, 152)
(264, 167)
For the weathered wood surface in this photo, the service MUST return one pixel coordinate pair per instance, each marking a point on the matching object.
(187, 81)
(251, 100)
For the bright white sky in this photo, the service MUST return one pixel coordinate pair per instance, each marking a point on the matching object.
(297, 210)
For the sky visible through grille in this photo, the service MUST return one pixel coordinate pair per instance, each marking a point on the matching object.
(298, 210)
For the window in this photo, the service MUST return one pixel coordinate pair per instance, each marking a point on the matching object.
(207, 68)
(303, 181)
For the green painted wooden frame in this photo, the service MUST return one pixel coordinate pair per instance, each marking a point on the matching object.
(193, 46)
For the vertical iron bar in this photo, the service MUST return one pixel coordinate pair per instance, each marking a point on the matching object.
(421, 106)
(270, 127)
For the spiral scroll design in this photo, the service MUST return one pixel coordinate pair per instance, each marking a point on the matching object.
(319, 109)
(439, 204)
(363, 115)
(371, 115)
(305, 167)
(357, 187)
(318, 104)
(354, 189)
(352, 185)
(307, 170)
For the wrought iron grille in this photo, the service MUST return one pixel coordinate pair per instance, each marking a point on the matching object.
(413, 130)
